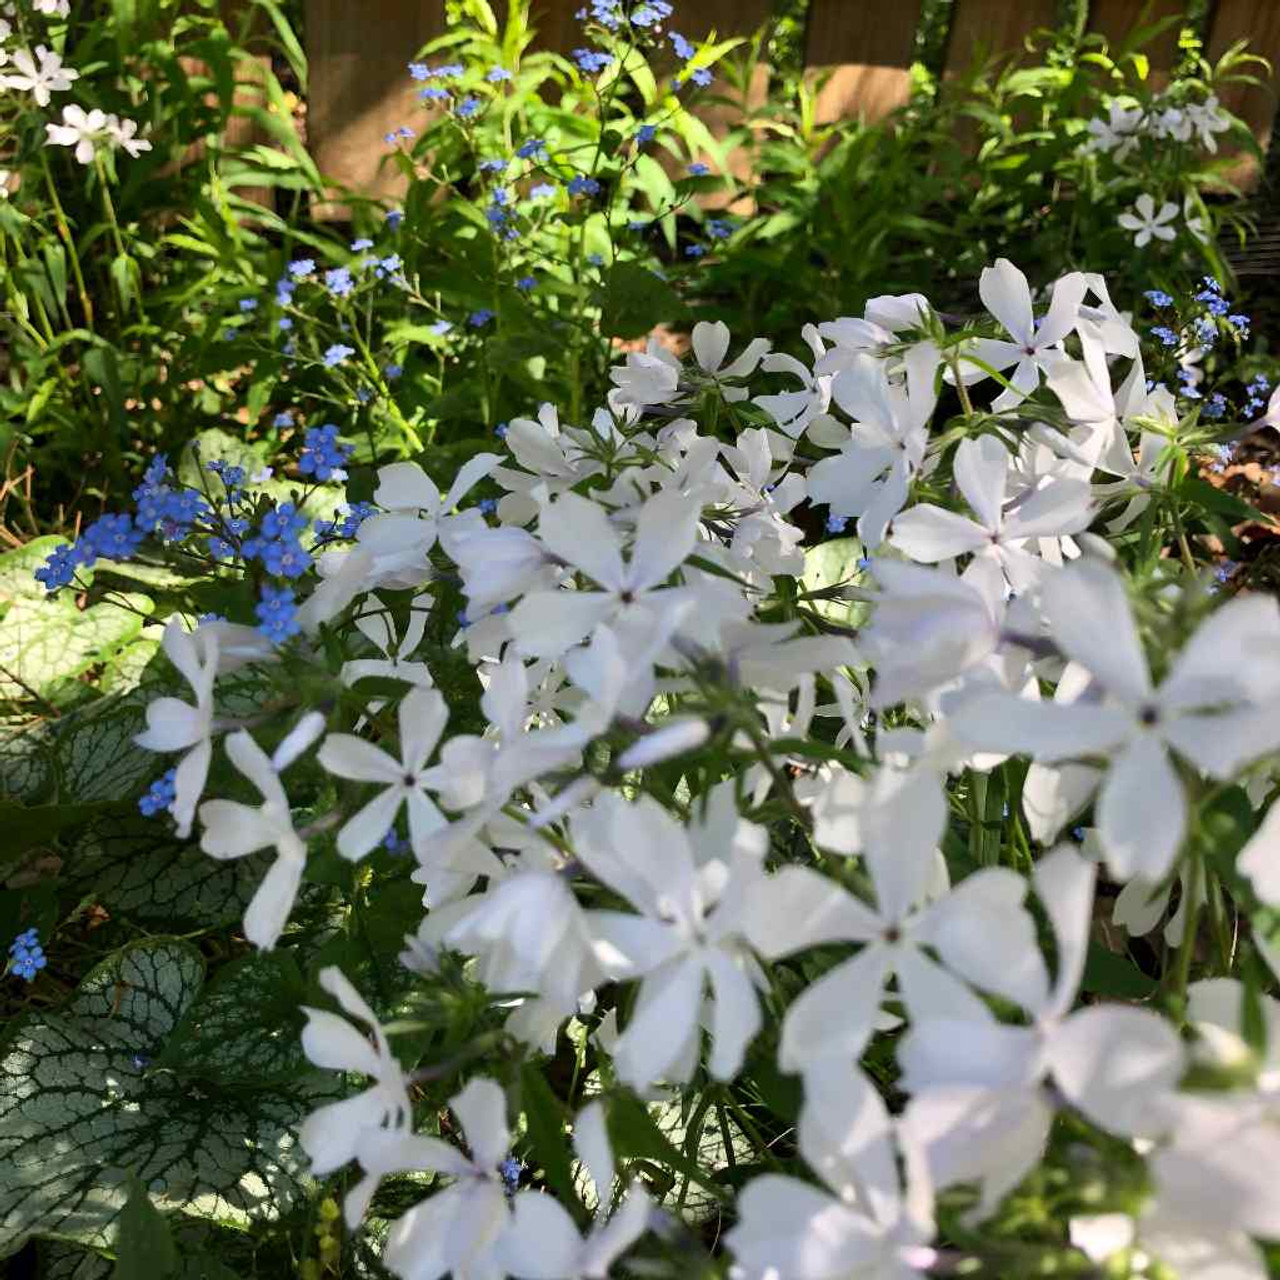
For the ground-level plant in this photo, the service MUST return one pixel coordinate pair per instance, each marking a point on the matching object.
(604, 866)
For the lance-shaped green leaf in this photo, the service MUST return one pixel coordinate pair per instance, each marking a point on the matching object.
(85, 1104)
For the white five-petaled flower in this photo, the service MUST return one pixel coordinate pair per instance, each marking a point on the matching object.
(457, 1231)
(630, 594)
(174, 725)
(1218, 708)
(87, 131)
(1147, 223)
(979, 1110)
(979, 929)
(332, 1135)
(868, 1222)
(1035, 346)
(711, 345)
(544, 1242)
(689, 934)
(234, 830)
(422, 717)
(392, 548)
(40, 74)
(872, 473)
(1003, 530)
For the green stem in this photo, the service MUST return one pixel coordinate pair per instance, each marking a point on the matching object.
(64, 231)
(1195, 900)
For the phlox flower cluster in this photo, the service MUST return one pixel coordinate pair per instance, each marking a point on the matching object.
(40, 73)
(1165, 118)
(703, 807)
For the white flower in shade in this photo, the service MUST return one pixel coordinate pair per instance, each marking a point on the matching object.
(331, 1136)
(979, 1109)
(85, 131)
(688, 935)
(40, 74)
(871, 475)
(396, 663)
(630, 594)
(392, 548)
(1214, 1179)
(1218, 708)
(649, 377)
(1194, 220)
(404, 780)
(864, 1224)
(174, 725)
(1120, 132)
(544, 1243)
(979, 930)
(795, 411)
(238, 645)
(1146, 223)
(1260, 858)
(457, 1231)
(1006, 531)
(124, 134)
(929, 626)
(52, 8)
(761, 531)
(531, 936)
(234, 830)
(711, 345)
(1035, 346)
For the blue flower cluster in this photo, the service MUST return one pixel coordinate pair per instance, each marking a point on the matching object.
(27, 955)
(324, 456)
(277, 545)
(1257, 388)
(160, 795)
(353, 517)
(591, 61)
(276, 612)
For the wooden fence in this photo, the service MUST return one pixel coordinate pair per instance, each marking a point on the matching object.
(360, 90)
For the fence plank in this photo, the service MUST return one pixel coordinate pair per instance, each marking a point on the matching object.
(360, 89)
(867, 50)
(1115, 19)
(1259, 22)
(993, 27)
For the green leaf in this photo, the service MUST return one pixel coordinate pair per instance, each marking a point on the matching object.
(94, 752)
(1109, 974)
(545, 1115)
(635, 1134)
(45, 643)
(247, 1026)
(132, 866)
(828, 567)
(636, 300)
(18, 567)
(83, 1106)
(24, 827)
(26, 759)
(143, 1243)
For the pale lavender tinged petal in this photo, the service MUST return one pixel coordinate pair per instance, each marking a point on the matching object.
(927, 534)
(578, 532)
(1142, 811)
(1005, 292)
(1090, 619)
(981, 467)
